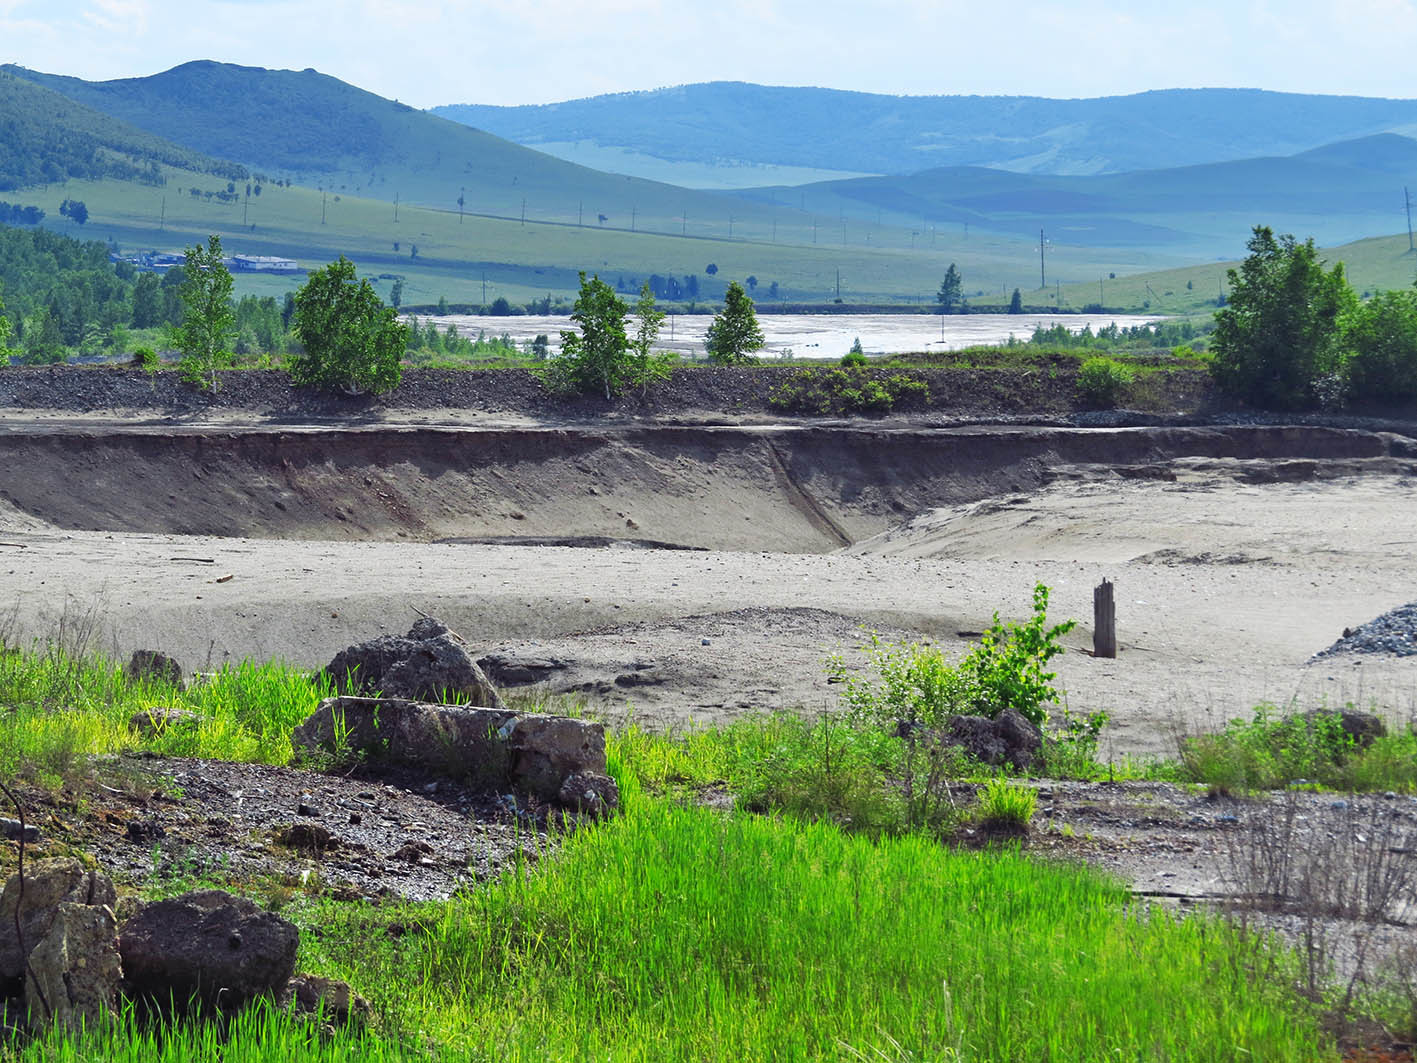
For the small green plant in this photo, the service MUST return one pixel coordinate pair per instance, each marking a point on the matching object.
(1101, 380)
(145, 358)
(850, 389)
(1007, 665)
(1006, 805)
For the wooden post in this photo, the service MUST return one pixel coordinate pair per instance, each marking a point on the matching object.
(1104, 621)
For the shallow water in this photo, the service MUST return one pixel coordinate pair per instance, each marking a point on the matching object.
(822, 335)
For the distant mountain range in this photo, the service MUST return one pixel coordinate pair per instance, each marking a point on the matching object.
(712, 130)
(319, 131)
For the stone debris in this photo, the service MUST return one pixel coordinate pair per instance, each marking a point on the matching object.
(1006, 738)
(1394, 634)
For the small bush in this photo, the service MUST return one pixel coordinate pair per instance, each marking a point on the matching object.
(146, 358)
(1003, 804)
(855, 356)
(850, 389)
(1101, 380)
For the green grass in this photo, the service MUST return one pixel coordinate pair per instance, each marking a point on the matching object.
(1272, 750)
(56, 709)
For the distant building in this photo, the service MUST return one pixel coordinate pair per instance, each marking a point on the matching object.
(261, 264)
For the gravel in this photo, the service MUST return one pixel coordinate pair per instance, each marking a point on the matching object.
(1394, 634)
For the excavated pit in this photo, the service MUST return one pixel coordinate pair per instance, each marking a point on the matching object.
(775, 488)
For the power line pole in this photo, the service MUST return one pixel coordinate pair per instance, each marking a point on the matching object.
(322, 206)
(396, 208)
(1042, 274)
(523, 212)
(1408, 198)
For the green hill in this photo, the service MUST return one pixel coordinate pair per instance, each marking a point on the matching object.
(45, 136)
(316, 130)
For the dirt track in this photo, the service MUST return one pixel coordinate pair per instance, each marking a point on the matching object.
(1238, 552)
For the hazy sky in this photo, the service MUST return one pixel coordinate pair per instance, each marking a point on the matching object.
(536, 51)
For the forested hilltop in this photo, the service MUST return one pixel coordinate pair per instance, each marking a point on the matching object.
(47, 137)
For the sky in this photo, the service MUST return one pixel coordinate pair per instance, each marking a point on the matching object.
(539, 51)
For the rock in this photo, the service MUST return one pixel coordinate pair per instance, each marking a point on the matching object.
(1362, 727)
(308, 837)
(162, 717)
(591, 793)
(412, 851)
(335, 1001)
(13, 830)
(485, 746)
(208, 946)
(47, 885)
(152, 666)
(426, 663)
(508, 668)
(145, 831)
(75, 968)
(1007, 738)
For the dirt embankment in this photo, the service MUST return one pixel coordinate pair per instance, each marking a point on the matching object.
(775, 488)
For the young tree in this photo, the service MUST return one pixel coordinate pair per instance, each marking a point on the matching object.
(1380, 348)
(6, 352)
(951, 288)
(646, 366)
(1278, 334)
(353, 342)
(734, 334)
(596, 358)
(1016, 302)
(208, 318)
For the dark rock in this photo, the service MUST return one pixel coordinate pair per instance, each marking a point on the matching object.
(309, 837)
(150, 666)
(13, 830)
(75, 969)
(335, 1001)
(1007, 738)
(47, 884)
(305, 808)
(489, 747)
(413, 851)
(509, 668)
(591, 793)
(208, 946)
(145, 831)
(162, 717)
(427, 663)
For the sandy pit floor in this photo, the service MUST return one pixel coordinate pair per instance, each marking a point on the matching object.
(1225, 590)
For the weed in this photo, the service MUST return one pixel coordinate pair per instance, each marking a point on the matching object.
(1005, 805)
(1101, 380)
(852, 388)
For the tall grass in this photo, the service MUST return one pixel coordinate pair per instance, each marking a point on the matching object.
(676, 933)
(57, 708)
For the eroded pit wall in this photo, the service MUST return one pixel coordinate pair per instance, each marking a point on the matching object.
(773, 488)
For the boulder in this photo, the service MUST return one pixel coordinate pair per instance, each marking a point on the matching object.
(427, 663)
(47, 885)
(152, 666)
(75, 969)
(208, 946)
(1362, 727)
(335, 1001)
(491, 747)
(1006, 738)
(590, 793)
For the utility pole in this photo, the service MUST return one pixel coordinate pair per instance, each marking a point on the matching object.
(633, 212)
(838, 284)
(396, 208)
(1408, 198)
(730, 226)
(1042, 273)
(1100, 300)
(580, 210)
(484, 287)
(162, 223)
(684, 224)
(523, 212)
(322, 206)
(462, 192)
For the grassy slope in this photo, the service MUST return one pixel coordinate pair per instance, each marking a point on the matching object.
(45, 135)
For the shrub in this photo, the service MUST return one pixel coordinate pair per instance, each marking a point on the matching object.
(850, 389)
(1100, 380)
(1003, 804)
(1007, 665)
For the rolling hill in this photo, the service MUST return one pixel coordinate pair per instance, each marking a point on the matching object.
(316, 130)
(45, 136)
(710, 132)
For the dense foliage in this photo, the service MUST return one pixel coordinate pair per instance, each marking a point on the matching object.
(734, 334)
(209, 319)
(1293, 334)
(353, 342)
